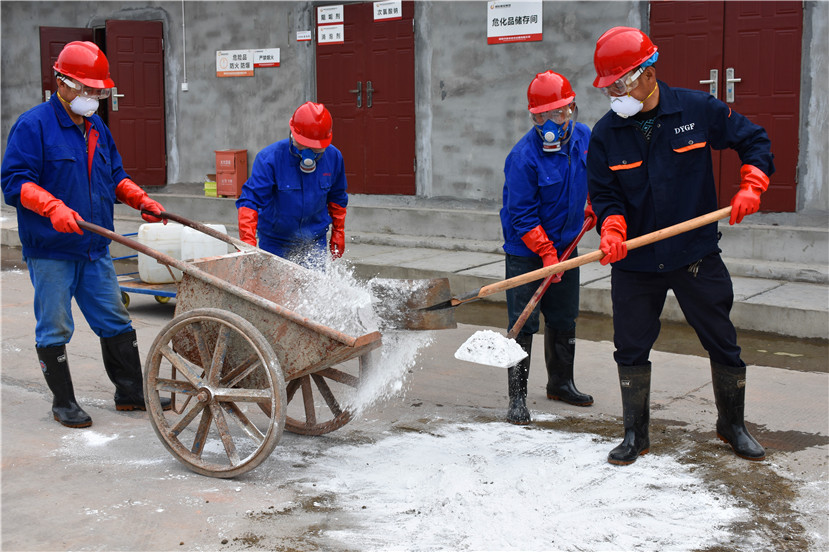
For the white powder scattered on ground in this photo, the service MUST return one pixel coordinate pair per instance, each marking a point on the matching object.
(492, 348)
(500, 487)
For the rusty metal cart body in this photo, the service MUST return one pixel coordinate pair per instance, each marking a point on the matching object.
(234, 358)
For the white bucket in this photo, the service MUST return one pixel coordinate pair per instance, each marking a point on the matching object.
(164, 238)
(195, 244)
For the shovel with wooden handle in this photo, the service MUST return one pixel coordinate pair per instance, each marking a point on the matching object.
(439, 287)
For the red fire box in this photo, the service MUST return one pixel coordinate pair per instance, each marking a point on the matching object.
(231, 172)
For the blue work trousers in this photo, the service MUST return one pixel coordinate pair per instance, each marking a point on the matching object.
(308, 253)
(559, 305)
(94, 286)
(705, 295)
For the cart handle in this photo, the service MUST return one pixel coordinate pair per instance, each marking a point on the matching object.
(258, 300)
(204, 229)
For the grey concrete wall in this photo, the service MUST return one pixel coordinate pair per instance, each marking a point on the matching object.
(216, 113)
(473, 96)
(813, 167)
(470, 96)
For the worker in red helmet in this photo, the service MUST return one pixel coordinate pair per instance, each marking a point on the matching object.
(544, 208)
(297, 191)
(61, 166)
(650, 167)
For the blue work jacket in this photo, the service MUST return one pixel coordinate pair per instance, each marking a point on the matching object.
(293, 205)
(45, 147)
(670, 179)
(549, 189)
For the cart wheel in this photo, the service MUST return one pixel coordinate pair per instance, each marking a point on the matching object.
(227, 369)
(125, 298)
(162, 299)
(316, 409)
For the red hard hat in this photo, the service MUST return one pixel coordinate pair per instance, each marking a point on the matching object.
(619, 50)
(86, 63)
(311, 125)
(549, 91)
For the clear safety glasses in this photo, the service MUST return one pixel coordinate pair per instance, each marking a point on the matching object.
(624, 85)
(558, 116)
(88, 91)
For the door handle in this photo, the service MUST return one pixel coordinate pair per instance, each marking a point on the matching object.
(115, 96)
(359, 92)
(712, 82)
(369, 92)
(729, 84)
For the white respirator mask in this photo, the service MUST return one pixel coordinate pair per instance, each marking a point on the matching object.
(84, 106)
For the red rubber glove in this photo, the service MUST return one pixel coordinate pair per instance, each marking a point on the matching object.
(590, 215)
(248, 219)
(614, 234)
(129, 193)
(36, 199)
(753, 182)
(538, 242)
(337, 242)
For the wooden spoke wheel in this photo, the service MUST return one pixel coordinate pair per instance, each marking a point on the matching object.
(317, 403)
(228, 392)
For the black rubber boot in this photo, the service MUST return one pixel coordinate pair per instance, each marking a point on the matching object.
(123, 366)
(517, 412)
(55, 367)
(730, 396)
(635, 382)
(559, 354)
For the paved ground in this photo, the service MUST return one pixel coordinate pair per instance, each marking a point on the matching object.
(115, 487)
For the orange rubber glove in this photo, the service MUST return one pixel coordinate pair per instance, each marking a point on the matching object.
(614, 234)
(337, 242)
(753, 182)
(130, 194)
(36, 199)
(590, 215)
(538, 242)
(248, 220)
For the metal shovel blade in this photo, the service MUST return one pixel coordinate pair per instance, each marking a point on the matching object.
(400, 303)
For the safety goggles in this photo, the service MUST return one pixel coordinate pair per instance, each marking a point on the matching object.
(558, 116)
(88, 91)
(624, 85)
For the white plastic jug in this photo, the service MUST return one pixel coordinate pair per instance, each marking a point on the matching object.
(195, 244)
(164, 238)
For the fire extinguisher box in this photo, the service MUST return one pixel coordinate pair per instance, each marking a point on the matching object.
(231, 172)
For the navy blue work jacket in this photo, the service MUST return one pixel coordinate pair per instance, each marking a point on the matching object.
(549, 189)
(45, 147)
(669, 179)
(293, 205)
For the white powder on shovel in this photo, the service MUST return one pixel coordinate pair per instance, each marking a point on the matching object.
(492, 348)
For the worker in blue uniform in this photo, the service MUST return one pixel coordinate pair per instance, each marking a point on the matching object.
(544, 208)
(296, 191)
(61, 166)
(650, 167)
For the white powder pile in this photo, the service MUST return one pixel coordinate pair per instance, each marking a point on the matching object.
(492, 348)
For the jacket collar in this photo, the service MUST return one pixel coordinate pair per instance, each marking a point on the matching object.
(63, 117)
(667, 105)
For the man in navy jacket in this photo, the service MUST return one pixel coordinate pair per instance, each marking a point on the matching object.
(649, 166)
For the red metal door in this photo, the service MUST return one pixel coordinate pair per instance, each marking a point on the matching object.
(52, 41)
(760, 43)
(375, 127)
(136, 115)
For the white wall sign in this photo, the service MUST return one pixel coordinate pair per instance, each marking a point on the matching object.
(303, 36)
(331, 34)
(513, 22)
(234, 63)
(392, 9)
(266, 57)
(330, 15)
